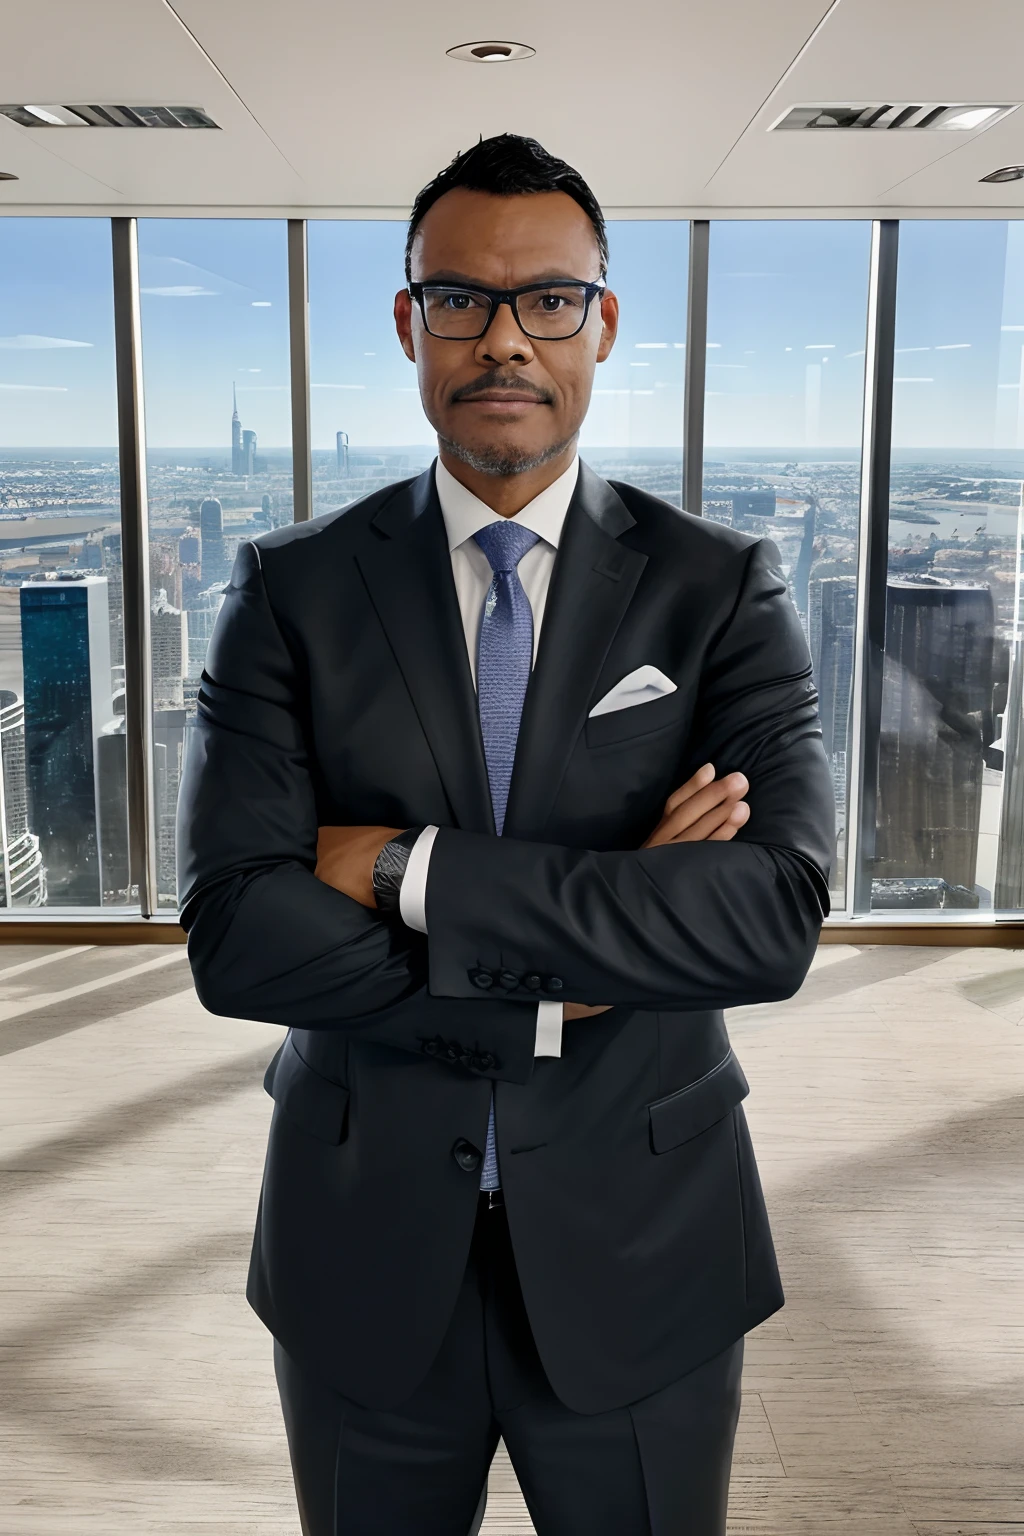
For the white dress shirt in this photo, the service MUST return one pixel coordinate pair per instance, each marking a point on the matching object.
(464, 515)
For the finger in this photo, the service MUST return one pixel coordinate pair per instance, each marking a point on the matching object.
(730, 789)
(701, 830)
(738, 817)
(697, 781)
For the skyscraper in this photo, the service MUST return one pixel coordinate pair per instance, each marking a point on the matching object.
(201, 620)
(248, 454)
(834, 609)
(937, 693)
(341, 442)
(211, 528)
(23, 875)
(236, 435)
(66, 655)
(169, 640)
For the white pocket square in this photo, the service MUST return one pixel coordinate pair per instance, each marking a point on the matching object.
(637, 687)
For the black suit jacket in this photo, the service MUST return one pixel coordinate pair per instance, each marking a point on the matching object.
(337, 690)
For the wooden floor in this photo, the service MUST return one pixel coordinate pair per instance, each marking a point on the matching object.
(137, 1390)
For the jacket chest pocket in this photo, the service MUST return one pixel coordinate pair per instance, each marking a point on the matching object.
(638, 721)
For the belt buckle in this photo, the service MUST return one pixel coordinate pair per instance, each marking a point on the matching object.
(495, 1198)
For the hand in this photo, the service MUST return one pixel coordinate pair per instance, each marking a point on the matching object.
(345, 857)
(703, 810)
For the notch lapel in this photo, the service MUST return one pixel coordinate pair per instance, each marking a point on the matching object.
(409, 577)
(593, 580)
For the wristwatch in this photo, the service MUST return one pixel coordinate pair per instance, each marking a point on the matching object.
(389, 868)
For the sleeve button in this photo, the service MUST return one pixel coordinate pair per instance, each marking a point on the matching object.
(552, 983)
(509, 980)
(533, 982)
(481, 978)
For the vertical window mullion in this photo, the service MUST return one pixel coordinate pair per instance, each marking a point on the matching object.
(696, 361)
(134, 564)
(298, 332)
(872, 566)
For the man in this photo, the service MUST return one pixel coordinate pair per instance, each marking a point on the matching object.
(452, 815)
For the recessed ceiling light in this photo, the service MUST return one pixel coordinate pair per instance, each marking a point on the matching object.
(7, 176)
(1006, 173)
(491, 53)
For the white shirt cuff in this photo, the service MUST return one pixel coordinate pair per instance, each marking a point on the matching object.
(412, 897)
(549, 1030)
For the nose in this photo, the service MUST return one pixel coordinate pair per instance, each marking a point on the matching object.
(503, 341)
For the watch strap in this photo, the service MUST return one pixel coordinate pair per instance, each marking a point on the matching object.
(390, 866)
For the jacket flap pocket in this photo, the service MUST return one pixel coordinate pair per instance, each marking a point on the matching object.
(698, 1106)
(313, 1102)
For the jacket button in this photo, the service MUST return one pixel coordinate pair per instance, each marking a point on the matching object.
(431, 1047)
(466, 1155)
(484, 1062)
(509, 980)
(481, 978)
(452, 1052)
(533, 982)
(552, 983)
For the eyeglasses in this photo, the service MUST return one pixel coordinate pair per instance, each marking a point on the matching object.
(543, 311)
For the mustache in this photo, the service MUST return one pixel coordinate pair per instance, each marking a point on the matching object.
(496, 380)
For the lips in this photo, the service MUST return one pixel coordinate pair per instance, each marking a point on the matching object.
(502, 397)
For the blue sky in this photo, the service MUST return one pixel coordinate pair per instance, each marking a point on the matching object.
(786, 334)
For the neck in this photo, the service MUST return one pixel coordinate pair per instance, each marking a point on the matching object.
(508, 494)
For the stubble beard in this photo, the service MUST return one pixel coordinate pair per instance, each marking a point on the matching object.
(505, 460)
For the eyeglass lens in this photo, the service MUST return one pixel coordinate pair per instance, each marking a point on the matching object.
(546, 314)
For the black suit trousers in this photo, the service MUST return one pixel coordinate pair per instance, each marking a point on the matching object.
(657, 1467)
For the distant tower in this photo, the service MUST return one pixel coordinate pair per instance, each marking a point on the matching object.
(236, 436)
(169, 645)
(342, 442)
(248, 454)
(24, 878)
(938, 686)
(211, 531)
(65, 639)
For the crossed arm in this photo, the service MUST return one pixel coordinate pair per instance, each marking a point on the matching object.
(679, 924)
(704, 809)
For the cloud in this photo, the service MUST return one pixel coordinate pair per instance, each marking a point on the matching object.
(38, 343)
(337, 386)
(182, 291)
(46, 389)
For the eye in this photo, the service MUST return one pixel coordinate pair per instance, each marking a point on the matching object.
(458, 301)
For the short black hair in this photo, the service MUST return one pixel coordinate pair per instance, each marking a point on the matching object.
(507, 165)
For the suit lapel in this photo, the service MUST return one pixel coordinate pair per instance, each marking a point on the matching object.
(409, 577)
(593, 580)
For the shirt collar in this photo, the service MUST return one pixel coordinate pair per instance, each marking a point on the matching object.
(465, 514)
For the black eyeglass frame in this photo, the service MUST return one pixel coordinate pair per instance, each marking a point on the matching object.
(510, 296)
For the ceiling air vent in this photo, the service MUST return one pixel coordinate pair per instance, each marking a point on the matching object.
(961, 116)
(109, 117)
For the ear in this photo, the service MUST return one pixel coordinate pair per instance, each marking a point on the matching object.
(403, 322)
(609, 324)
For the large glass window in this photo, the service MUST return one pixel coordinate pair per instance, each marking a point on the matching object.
(214, 299)
(634, 428)
(787, 305)
(368, 427)
(949, 829)
(63, 817)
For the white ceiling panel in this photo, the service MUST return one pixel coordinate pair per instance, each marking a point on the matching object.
(875, 51)
(664, 105)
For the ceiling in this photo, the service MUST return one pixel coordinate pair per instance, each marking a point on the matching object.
(330, 109)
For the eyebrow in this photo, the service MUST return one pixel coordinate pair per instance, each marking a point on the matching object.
(460, 278)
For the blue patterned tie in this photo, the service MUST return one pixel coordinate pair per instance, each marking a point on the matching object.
(504, 659)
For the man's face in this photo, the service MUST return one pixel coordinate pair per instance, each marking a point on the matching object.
(505, 403)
